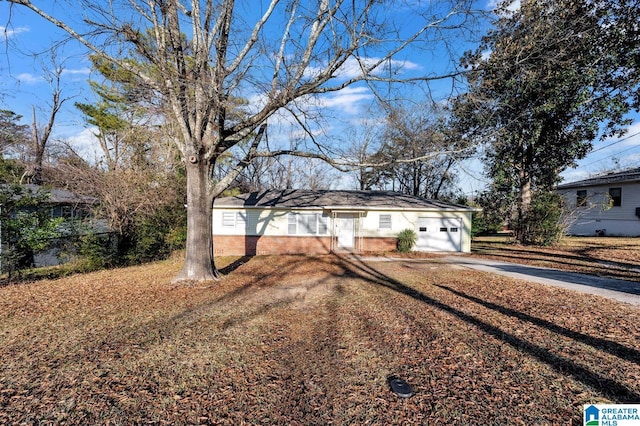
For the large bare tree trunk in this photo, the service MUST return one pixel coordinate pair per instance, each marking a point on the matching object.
(199, 265)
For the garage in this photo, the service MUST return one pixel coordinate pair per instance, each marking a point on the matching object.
(439, 234)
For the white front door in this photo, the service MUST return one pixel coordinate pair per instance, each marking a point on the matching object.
(345, 231)
(439, 234)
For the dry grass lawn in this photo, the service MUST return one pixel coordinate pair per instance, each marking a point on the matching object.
(310, 340)
(611, 257)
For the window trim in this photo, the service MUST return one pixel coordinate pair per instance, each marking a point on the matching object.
(581, 198)
(616, 201)
(239, 218)
(296, 224)
(228, 219)
(385, 221)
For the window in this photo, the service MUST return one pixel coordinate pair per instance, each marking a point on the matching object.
(234, 219)
(581, 198)
(615, 194)
(228, 219)
(293, 224)
(385, 221)
(241, 219)
(309, 223)
(306, 224)
(66, 212)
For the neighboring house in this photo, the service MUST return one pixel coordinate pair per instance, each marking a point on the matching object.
(318, 222)
(77, 211)
(607, 204)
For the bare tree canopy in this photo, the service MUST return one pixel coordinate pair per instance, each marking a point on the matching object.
(199, 57)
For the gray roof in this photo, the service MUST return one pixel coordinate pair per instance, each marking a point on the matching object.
(61, 196)
(626, 176)
(362, 200)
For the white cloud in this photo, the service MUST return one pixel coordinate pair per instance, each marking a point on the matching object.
(352, 68)
(79, 71)
(30, 78)
(85, 144)
(11, 32)
(346, 100)
(631, 138)
(512, 7)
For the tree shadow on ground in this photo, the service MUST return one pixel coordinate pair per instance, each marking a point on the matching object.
(580, 258)
(234, 265)
(613, 348)
(605, 386)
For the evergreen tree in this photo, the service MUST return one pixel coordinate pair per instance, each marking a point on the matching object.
(544, 84)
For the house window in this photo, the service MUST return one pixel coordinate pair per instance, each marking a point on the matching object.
(306, 224)
(66, 212)
(309, 223)
(228, 219)
(293, 224)
(233, 219)
(615, 194)
(581, 198)
(385, 221)
(241, 219)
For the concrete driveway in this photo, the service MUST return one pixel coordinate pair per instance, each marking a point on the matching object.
(623, 291)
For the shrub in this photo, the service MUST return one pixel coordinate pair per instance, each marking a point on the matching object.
(542, 225)
(406, 240)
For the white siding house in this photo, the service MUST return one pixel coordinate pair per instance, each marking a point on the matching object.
(312, 222)
(607, 204)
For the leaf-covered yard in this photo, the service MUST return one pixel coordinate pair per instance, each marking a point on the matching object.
(612, 257)
(310, 340)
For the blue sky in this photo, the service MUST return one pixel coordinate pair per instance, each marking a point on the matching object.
(26, 38)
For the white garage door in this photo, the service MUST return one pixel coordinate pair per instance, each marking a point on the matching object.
(439, 234)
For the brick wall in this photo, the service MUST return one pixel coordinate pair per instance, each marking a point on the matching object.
(379, 244)
(239, 245)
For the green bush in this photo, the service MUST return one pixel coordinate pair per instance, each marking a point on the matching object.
(95, 252)
(542, 226)
(406, 240)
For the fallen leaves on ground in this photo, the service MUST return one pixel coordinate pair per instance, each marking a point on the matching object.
(611, 257)
(310, 340)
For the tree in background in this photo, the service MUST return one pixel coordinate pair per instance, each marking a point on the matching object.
(362, 143)
(417, 154)
(198, 56)
(34, 151)
(549, 79)
(12, 133)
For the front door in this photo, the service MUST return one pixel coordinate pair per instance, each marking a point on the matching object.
(345, 231)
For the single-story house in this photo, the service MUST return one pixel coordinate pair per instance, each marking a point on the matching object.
(608, 204)
(319, 222)
(76, 210)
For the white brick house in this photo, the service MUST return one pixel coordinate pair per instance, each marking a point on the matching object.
(316, 222)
